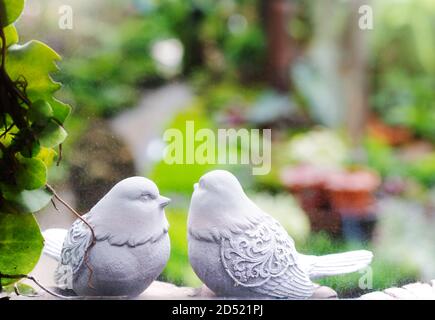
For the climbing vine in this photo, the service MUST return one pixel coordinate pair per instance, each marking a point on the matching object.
(31, 134)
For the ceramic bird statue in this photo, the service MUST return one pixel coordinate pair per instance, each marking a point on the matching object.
(237, 249)
(132, 243)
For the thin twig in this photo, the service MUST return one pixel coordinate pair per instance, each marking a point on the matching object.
(86, 223)
(54, 205)
(3, 52)
(17, 292)
(7, 130)
(70, 208)
(59, 158)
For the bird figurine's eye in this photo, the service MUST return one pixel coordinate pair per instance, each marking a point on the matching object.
(146, 196)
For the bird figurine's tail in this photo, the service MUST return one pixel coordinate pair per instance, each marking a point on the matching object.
(53, 242)
(335, 264)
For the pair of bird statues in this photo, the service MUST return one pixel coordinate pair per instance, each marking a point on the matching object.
(235, 248)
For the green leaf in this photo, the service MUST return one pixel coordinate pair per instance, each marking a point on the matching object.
(52, 135)
(23, 289)
(60, 110)
(31, 150)
(47, 156)
(10, 10)
(21, 244)
(27, 290)
(11, 35)
(31, 174)
(40, 112)
(25, 201)
(34, 61)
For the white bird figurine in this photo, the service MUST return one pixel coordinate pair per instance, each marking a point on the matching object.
(237, 249)
(132, 243)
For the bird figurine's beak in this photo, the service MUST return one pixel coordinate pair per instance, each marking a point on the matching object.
(163, 201)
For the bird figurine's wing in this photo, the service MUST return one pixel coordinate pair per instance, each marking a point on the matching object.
(76, 242)
(264, 259)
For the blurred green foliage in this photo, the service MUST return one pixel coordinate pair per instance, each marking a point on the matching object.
(409, 100)
(402, 51)
(179, 178)
(385, 273)
(387, 161)
(105, 77)
(106, 80)
(228, 94)
(381, 157)
(178, 269)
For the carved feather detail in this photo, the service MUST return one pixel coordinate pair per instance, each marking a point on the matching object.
(77, 240)
(264, 259)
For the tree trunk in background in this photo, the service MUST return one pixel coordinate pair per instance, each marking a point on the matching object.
(193, 51)
(277, 15)
(355, 72)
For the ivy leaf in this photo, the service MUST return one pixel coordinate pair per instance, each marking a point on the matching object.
(23, 289)
(10, 10)
(31, 174)
(52, 135)
(11, 35)
(20, 64)
(21, 244)
(60, 110)
(26, 290)
(31, 150)
(25, 201)
(40, 112)
(47, 156)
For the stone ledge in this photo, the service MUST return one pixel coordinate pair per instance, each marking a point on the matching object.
(159, 290)
(167, 291)
(156, 291)
(413, 291)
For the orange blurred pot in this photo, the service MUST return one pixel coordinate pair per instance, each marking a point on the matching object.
(393, 135)
(307, 184)
(352, 192)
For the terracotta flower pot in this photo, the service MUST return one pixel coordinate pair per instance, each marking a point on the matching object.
(307, 184)
(393, 135)
(352, 197)
(352, 192)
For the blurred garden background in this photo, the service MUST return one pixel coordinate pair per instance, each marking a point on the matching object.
(352, 114)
